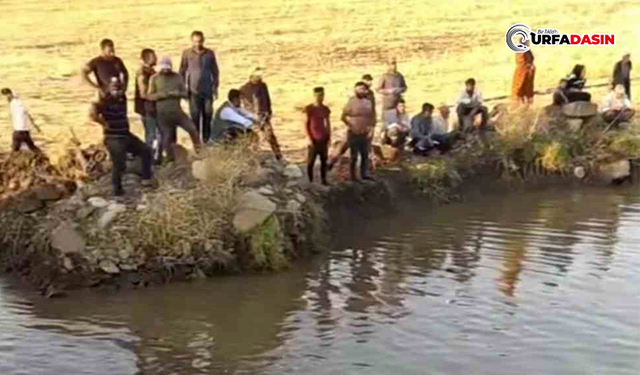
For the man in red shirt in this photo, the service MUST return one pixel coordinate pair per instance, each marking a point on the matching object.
(318, 128)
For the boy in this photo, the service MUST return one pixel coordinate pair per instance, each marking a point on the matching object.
(318, 128)
(21, 120)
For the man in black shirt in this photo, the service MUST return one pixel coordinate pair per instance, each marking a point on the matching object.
(110, 111)
(104, 68)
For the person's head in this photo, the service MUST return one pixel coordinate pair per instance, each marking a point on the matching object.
(361, 90)
(368, 79)
(234, 97)
(579, 71)
(256, 75)
(563, 83)
(7, 93)
(108, 48)
(427, 109)
(165, 65)
(197, 39)
(401, 106)
(392, 65)
(626, 57)
(470, 85)
(444, 110)
(115, 88)
(148, 57)
(318, 94)
(619, 91)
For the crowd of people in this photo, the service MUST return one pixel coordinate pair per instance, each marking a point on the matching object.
(159, 90)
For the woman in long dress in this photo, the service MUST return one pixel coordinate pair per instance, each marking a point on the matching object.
(523, 79)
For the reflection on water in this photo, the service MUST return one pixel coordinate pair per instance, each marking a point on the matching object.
(536, 283)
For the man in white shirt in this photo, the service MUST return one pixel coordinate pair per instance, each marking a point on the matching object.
(441, 121)
(22, 121)
(470, 105)
(616, 106)
(232, 119)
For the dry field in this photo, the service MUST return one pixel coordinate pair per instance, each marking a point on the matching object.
(301, 43)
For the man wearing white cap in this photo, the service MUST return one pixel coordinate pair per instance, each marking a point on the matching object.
(616, 106)
(166, 88)
(256, 99)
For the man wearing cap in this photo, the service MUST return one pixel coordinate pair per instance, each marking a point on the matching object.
(199, 69)
(391, 86)
(622, 74)
(616, 106)
(104, 68)
(256, 99)
(110, 111)
(166, 88)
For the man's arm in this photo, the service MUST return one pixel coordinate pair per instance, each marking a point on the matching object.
(152, 91)
(94, 115)
(307, 124)
(215, 76)
(184, 66)
(228, 114)
(329, 125)
(403, 86)
(346, 112)
(143, 86)
(86, 70)
(267, 99)
(181, 92)
(125, 75)
(33, 122)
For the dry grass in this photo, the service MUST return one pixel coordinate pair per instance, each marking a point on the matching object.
(302, 44)
(197, 216)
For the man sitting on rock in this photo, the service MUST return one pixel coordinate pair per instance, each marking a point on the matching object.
(616, 106)
(424, 137)
(110, 111)
(396, 126)
(231, 119)
(469, 106)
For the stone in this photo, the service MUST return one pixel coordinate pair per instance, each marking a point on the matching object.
(580, 109)
(49, 193)
(292, 172)
(128, 267)
(574, 124)
(124, 254)
(265, 190)
(110, 214)
(294, 206)
(67, 240)
(579, 172)
(200, 170)
(85, 212)
(67, 263)
(29, 205)
(98, 202)
(615, 171)
(261, 177)
(141, 207)
(109, 267)
(253, 209)
(131, 180)
(301, 198)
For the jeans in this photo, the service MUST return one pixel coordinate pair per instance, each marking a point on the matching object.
(201, 108)
(359, 146)
(20, 137)
(150, 129)
(468, 113)
(118, 147)
(167, 123)
(321, 149)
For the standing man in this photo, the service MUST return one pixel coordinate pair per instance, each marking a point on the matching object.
(21, 120)
(166, 88)
(199, 69)
(622, 74)
(391, 86)
(360, 118)
(110, 111)
(256, 99)
(104, 68)
(470, 105)
(146, 108)
(318, 128)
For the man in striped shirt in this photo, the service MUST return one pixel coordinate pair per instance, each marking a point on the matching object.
(110, 111)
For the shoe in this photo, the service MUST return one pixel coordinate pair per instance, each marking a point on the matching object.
(367, 178)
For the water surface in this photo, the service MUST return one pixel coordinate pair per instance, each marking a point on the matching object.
(539, 283)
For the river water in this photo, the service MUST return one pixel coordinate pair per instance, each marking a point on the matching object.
(545, 282)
